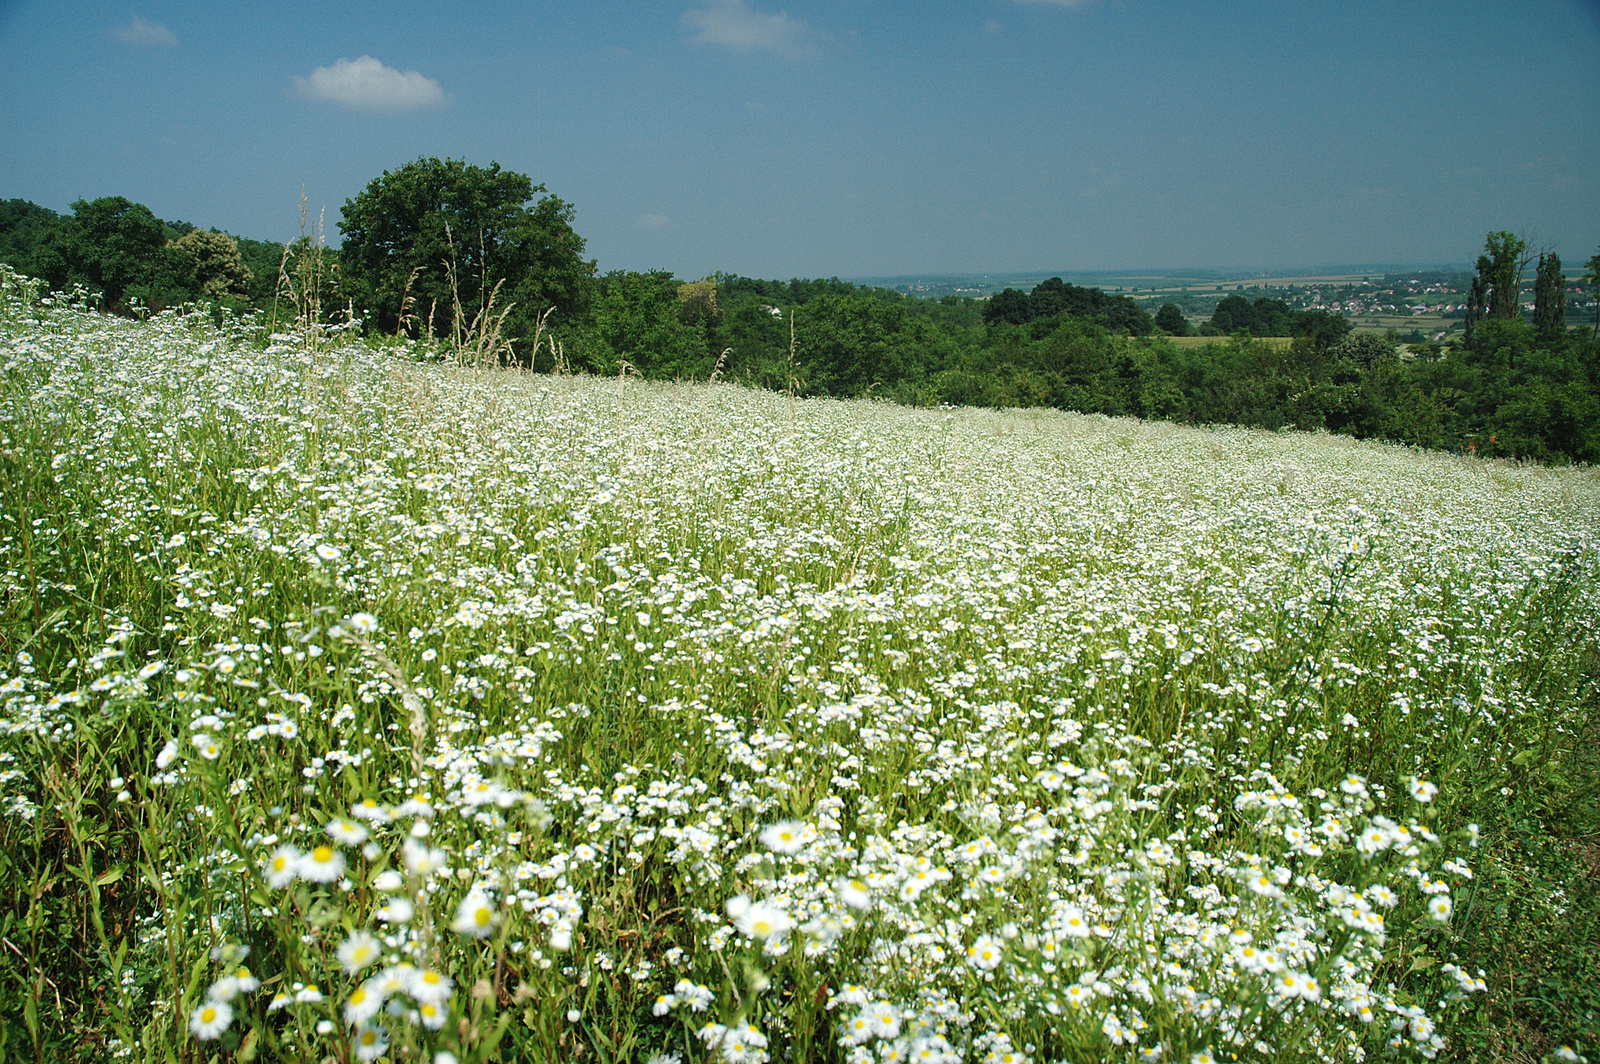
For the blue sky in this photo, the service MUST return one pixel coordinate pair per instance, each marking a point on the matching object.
(848, 137)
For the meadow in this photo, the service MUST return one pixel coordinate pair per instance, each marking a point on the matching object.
(359, 706)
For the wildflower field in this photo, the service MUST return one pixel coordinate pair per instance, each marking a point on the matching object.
(361, 707)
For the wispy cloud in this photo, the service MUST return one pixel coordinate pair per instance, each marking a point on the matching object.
(142, 33)
(735, 24)
(367, 85)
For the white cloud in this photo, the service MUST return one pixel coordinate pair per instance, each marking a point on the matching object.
(367, 85)
(990, 26)
(735, 24)
(142, 33)
(655, 221)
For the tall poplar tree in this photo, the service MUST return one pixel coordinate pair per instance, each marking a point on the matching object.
(1550, 298)
(1593, 266)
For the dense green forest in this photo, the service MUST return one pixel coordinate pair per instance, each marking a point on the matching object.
(440, 249)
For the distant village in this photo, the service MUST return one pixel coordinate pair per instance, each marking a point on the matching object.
(1428, 303)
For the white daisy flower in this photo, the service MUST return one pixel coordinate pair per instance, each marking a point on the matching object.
(358, 951)
(369, 810)
(421, 860)
(324, 864)
(346, 832)
(985, 952)
(208, 1021)
(1075, 925)
(396, 911)
(475, 916)
(392, 981)
(429, 985)
(1378, 894)
(282, 866)
(363, 1003)
(759, 920)
(787, 836)
(854, 893)
(1373, 840)
(371, 1043)
(224, 989)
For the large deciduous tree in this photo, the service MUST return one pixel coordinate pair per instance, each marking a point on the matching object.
(1504, 258)
(1170, 320)
(110, 243)
(432, 234)
(209, 264)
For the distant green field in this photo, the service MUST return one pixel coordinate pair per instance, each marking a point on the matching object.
(1201, 341)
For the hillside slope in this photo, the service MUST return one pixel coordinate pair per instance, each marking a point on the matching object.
(694, 720)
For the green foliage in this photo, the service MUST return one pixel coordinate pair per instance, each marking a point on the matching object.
(1508, 393)
(108, 244)
(1320, 328)
(1365, 349)
(1170, 320)
(796, 291)
(210, 263)
(850, 345)
(1593, 277)
(1272, 317)
(640, 318)
(1053, 297)
(23, 226)
(1504, 390)
(432, 235)
(1500, 268)
(1549, 298)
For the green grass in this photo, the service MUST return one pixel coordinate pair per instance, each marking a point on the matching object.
(807, 712)
(1202, 341)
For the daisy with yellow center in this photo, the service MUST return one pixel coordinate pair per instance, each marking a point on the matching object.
(209, 1020)
(322, 865)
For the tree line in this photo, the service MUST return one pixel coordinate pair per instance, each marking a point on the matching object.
(436, 244)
